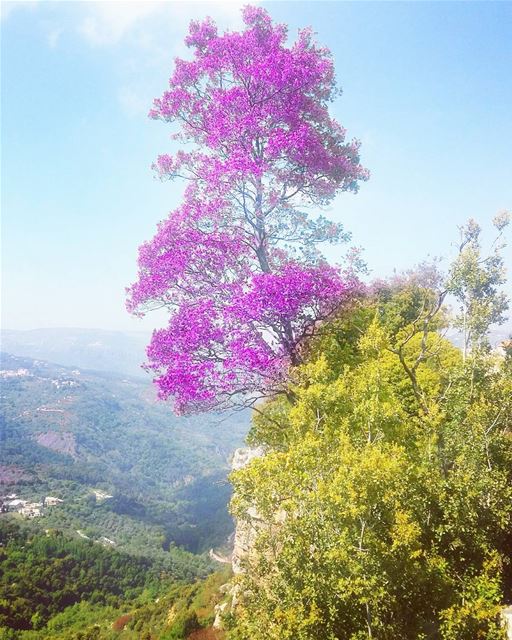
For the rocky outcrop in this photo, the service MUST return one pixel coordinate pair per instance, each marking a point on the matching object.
(507, 616)
(243, 539)
(246, 530)
(220, 609)
(244, 455)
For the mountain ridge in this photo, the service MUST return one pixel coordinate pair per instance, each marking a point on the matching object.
(92, 349)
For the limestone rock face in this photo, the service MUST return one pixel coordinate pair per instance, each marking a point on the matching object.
(243, 540)
(507, 617)
(244, 455)
(219, 610)
(245, 531)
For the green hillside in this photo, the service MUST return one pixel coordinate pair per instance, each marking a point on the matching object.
(53, 586)
(80, 436)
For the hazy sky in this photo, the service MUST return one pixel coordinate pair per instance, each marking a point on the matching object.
(427, 88)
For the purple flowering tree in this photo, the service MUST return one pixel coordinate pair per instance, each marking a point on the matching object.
(237, 264)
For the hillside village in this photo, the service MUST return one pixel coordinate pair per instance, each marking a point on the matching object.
(12, 504)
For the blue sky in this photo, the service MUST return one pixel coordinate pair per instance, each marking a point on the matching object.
(427, 87)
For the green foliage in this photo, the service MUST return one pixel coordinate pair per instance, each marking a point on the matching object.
(43, 574)
(52, 586)
(475, 280)
(384, 501)
(477, 614)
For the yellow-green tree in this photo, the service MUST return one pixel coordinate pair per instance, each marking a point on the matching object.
(385, 493)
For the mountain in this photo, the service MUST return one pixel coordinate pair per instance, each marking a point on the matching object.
(100, 350)
(129, 473)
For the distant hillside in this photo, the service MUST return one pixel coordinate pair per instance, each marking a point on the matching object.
(115, 351)
(80, 436)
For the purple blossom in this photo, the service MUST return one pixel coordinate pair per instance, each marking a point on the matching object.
(237, 265)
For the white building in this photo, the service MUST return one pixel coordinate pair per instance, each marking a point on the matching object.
(31, 509)
(16, 505)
